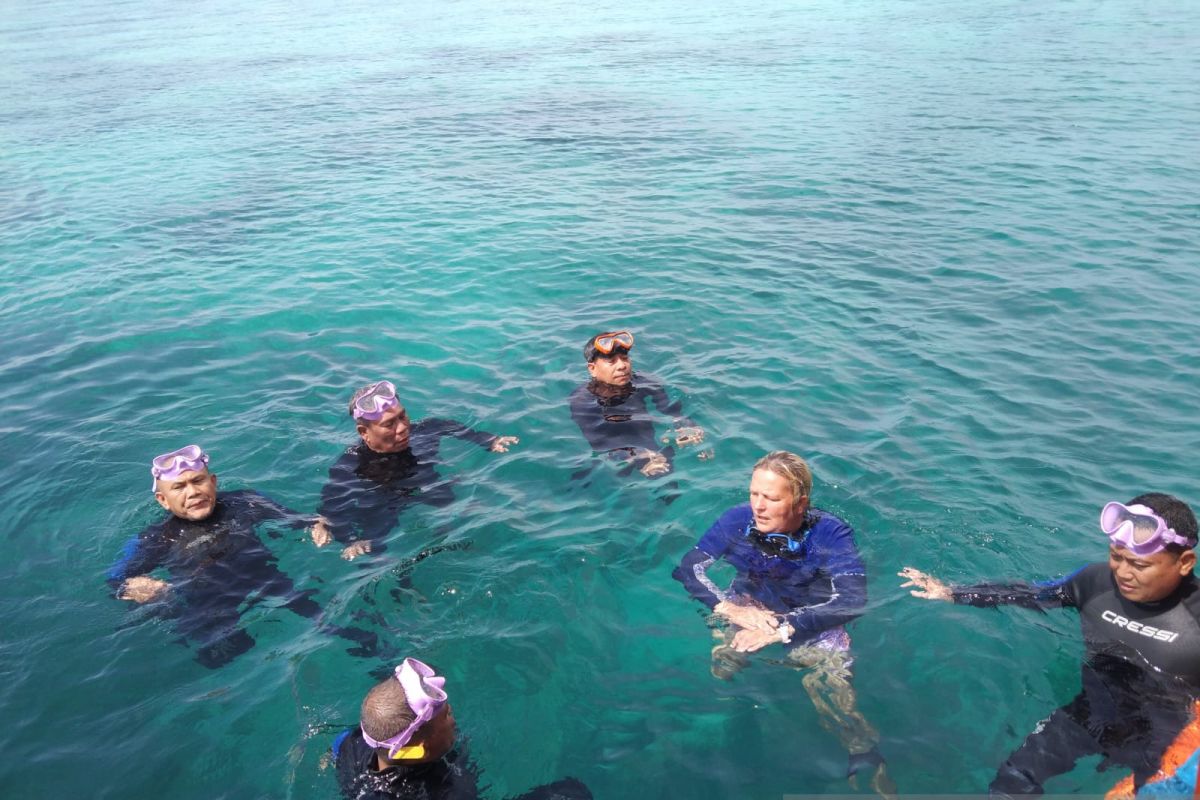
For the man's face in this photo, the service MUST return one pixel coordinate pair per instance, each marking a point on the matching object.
(191, 495)
(389, 433)
(771, 501)
(1147, 579)
(615, 369)
(438, 734)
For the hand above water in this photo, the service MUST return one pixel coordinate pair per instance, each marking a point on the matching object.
(928, 587)
(143, 589)
(501, 443)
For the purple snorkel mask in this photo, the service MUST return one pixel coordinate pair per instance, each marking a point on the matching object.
(376, 400)
(425, 697)
(171, 465)
(1138, 529)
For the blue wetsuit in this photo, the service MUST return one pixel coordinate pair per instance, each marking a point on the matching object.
(616, 419)
(451, 777)
(367, 491)
(1140, 676)
(214, 565)
(820, 587)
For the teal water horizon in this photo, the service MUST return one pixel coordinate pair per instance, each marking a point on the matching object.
(948, 252)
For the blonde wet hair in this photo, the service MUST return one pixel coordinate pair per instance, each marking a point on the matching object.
(792, 468)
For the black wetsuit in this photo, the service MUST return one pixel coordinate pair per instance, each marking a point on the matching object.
(452, 777)
(616, 419)
(214, 565)
(1140, 676)
(367, 491)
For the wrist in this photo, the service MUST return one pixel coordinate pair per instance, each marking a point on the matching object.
(785, 631)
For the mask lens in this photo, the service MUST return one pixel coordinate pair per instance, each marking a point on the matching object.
(169, 461)
(373, 401)
(1143, 529)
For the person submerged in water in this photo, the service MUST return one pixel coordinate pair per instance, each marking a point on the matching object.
(391, 467)
(215, 561)
(611, 408)
(405, 746)
(799, 580)
(1140, 615)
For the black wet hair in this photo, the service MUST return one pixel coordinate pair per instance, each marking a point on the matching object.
(1176, 513)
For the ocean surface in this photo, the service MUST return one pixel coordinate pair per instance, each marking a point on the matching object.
(948, 251)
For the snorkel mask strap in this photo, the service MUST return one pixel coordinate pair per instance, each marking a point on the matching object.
(426, 695)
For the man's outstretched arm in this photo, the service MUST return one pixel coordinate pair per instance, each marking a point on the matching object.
(448, 427)
(1038, 596)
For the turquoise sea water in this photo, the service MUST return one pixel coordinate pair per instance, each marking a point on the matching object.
(948, 251)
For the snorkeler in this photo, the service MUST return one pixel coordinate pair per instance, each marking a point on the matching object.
(391, 467)
(405, 746)
(1140, 615)
(209, 547)
(799, 580)
(611, 409)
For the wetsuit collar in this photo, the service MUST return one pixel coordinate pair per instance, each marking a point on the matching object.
(610, 393)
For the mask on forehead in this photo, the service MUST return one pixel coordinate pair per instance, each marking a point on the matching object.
(171, 465)
(1138, 529)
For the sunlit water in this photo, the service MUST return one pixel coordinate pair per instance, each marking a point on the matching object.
(946, 250)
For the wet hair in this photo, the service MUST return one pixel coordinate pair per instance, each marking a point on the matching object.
(1176, 513)
(385, 710)
(792, 468)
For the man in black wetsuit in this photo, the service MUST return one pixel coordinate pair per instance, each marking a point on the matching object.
(211, 551)
(1140, 615)
(405, 746)
(391, 468)
(611, 408)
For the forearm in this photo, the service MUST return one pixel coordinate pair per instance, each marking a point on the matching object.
(990, 595)
(449, 427)
(847, 599)
(692, 573)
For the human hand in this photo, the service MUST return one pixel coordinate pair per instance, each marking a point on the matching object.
(501, 443)
(656, 463)
(689, 434)
(928, 587)
(143, 589)
(748, 617)
(747, 640)
(320, 532)
(356, 549)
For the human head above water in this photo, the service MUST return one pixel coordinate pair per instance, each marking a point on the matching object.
(182, 483)
(780, 486)
(380, 418)
(404, 729)
(1153, 577)
(607, 356)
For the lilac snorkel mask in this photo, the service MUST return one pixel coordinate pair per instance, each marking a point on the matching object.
(376, 400)
(1138, 529)
(171, 465)
(425, 697)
